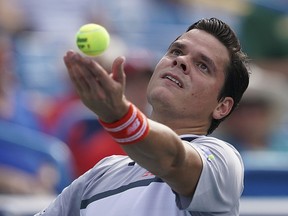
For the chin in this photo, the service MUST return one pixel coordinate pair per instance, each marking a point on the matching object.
(160, 97)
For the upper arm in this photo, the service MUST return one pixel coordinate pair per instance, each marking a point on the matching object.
(184, 175)
(165, 155)
(221, 183)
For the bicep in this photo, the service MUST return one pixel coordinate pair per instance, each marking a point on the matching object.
(184, 177)
(164, 154)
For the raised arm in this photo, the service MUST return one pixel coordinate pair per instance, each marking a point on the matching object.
(161, 152)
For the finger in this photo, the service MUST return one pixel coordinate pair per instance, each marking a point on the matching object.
(118, 73)
(80, 81)
(71, 67)
(67, 58)
(97, 71)
(79, 74)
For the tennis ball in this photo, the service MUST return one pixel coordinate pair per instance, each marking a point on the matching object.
(92, 39)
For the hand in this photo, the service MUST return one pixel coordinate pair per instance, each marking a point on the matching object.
(100, 91)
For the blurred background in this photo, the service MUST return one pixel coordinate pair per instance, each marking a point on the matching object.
(48, 138)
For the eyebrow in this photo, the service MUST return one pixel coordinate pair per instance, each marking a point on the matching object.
(177, 45)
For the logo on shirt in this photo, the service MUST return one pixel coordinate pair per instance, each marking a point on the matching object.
(207, 153)
(147, 173)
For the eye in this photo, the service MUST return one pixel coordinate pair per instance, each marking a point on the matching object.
(203, 67)
(176, 52)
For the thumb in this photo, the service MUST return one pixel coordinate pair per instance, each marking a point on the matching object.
(118, 73)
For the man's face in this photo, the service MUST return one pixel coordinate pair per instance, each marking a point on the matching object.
(187, 80)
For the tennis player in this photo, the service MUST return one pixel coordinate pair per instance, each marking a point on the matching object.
(173, 168)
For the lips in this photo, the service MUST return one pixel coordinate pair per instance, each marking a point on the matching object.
(174, 79)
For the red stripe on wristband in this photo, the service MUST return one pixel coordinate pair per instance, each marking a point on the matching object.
(114, 125)
(133, 127)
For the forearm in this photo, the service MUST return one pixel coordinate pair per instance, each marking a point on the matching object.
(164, 154)
(160, 152)
(152, 145)
(156, 147)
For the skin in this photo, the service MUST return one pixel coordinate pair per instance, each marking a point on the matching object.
(201, 73)
(197, 61)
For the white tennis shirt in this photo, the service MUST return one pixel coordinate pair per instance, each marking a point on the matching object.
(117, 186)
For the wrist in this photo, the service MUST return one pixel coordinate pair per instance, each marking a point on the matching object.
(116, 115)
(132, 127)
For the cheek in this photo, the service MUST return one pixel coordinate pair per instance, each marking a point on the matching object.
(207, 91)
(206, 97)
(163, 63)
(150, 84)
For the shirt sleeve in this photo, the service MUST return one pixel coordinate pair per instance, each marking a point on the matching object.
(221, 180)
(68, 203)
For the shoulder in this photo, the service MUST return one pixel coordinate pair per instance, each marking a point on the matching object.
(104, 165)
(113, 159)
(222, 174)
(216, 142)
(217, 154)
(207, 144)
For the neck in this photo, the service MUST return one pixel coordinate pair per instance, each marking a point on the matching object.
(180, 126)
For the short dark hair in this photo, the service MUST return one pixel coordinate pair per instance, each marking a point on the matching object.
(237, 73)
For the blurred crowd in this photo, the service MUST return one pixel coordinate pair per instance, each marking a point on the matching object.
(60, 134)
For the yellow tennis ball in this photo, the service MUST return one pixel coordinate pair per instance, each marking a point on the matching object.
(92, 39)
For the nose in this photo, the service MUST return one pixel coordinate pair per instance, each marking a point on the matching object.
(180, 62)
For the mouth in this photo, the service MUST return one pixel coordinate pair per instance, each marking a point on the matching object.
(173, 79)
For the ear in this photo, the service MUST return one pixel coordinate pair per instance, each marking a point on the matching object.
(223, 108)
